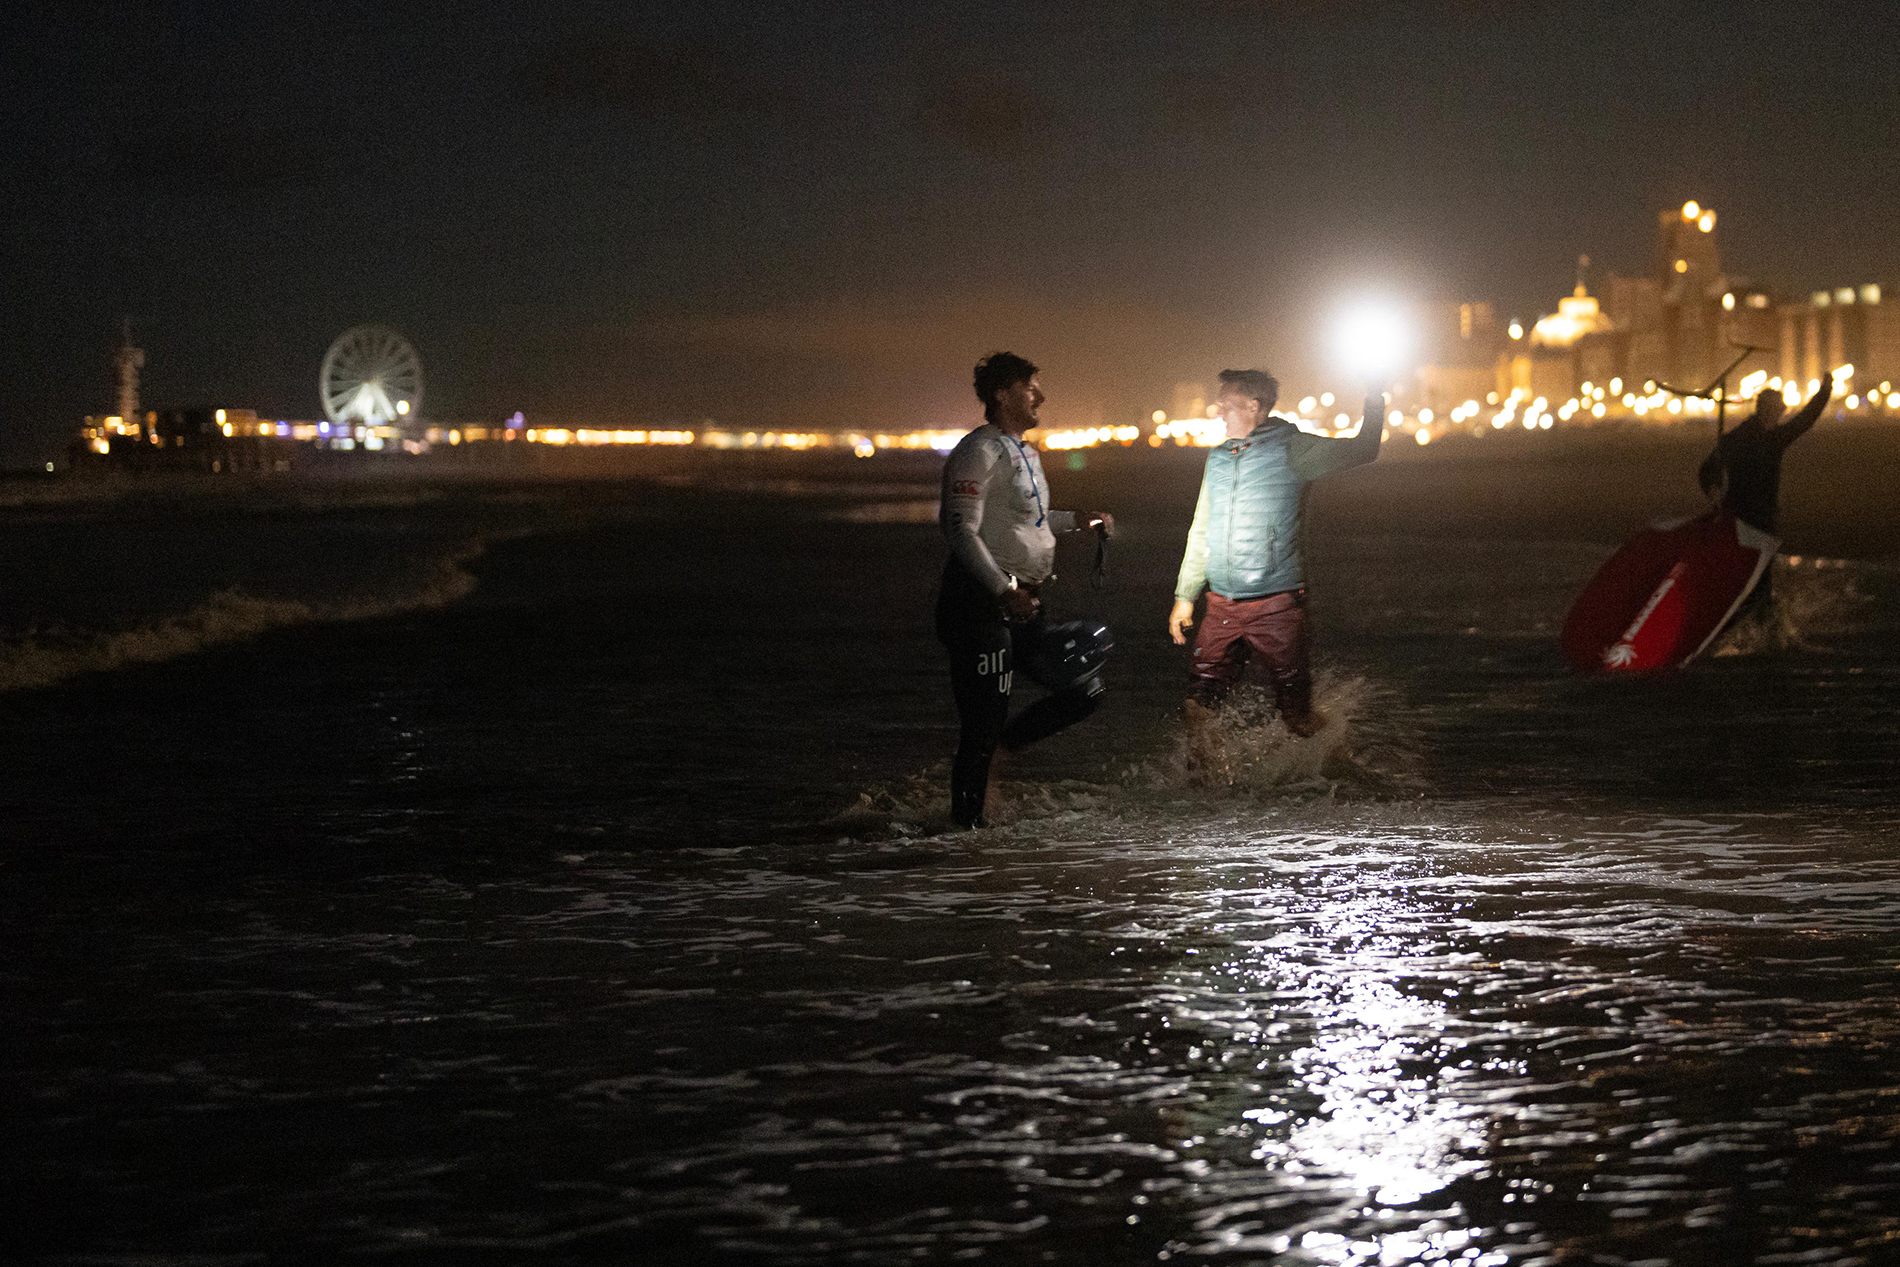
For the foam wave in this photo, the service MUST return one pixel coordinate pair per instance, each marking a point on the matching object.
(38, 660)
(1362, 752)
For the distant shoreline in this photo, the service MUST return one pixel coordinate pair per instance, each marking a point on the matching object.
(1840, 494)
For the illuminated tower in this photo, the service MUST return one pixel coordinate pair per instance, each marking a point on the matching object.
(1688, 267)
(130, 361)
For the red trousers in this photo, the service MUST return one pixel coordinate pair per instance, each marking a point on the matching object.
(1235, 631)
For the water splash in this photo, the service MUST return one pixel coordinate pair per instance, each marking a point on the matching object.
(1361, 750)
(1364, 751)
(1812, 598)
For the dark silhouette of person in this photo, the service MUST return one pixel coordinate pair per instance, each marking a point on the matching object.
(1742, 474)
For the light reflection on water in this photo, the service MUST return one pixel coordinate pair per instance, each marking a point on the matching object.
(477, 961)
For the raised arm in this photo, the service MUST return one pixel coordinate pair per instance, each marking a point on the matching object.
(1312, 456)
(1796, 425)
(966, 480)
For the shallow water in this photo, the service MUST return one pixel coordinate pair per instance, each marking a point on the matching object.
(602, 909)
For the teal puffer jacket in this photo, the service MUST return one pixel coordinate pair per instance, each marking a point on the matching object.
(1254, 500)
(1245, 542)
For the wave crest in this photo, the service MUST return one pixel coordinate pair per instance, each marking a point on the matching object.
(44, 658)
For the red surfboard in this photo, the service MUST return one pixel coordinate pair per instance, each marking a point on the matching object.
(1661, 599)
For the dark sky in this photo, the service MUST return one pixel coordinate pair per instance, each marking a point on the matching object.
(817, 214)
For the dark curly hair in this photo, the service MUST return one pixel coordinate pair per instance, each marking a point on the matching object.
(997, 371)
(1259, 384)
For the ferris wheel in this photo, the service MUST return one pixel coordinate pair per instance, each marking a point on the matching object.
(371, 375)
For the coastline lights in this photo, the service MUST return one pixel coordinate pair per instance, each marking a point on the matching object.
(1089, 437)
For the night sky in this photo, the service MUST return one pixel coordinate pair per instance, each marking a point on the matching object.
(814, 215)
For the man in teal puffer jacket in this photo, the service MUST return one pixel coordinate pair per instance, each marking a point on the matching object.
(1244, 548)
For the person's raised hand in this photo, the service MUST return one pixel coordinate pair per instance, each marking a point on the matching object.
(1179, 620)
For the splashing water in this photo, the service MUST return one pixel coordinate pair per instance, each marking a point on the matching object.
(1811, 598)
(1361, 752)
(1358, 751)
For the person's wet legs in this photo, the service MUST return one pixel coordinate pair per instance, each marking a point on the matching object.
(1220, 656)
(980, 679)
(1279, 638)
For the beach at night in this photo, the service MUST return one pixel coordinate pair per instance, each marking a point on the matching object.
(489, 895)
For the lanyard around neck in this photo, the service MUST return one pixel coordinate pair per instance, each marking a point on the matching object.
(1030, 471)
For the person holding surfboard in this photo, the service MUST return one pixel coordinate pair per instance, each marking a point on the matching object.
(1661, 600)
(1244, 549)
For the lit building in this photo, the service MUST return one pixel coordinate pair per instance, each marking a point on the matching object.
(1845, 326)
(1678, 325)
(1463, 346)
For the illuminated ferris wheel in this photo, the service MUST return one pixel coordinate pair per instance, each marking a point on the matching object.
(371, 376)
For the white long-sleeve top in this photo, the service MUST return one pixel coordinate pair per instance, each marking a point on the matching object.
(995, 509)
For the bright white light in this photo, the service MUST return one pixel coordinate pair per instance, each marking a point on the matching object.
(1373, 340)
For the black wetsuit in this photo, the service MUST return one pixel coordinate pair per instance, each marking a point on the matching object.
(985, 651)
(1746, 465)
(1750, 458)
(1000, 529)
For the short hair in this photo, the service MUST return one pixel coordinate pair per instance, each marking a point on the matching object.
(997, 371)
(1259, 384)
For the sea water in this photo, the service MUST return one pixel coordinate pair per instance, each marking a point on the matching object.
(561, 872)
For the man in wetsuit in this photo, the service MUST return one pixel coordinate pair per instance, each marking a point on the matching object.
(1742, 474)
(996, 516)
(1244, 548)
